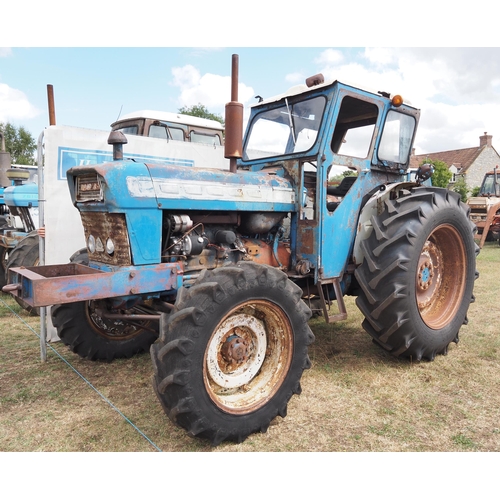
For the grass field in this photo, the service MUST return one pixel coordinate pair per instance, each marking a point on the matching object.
(355, 398)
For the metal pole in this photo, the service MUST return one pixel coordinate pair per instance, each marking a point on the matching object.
(41, 242)
(41, 216)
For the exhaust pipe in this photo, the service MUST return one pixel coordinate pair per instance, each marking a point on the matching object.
(52, 107)
(233, 143)
(117, 139)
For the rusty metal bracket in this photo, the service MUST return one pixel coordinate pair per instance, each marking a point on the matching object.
(40, 286)
(326, 303)
(489, 221)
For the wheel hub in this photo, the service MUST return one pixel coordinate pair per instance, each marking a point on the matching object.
(428, 274)
(235, 350)
(425, 275)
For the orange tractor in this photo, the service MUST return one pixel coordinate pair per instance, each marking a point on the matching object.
(485, 208)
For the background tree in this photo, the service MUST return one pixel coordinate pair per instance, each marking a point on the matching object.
(336, 179)
(441, 176)
(19, 143)
(475, 191)
(461, 188)
(200, 111)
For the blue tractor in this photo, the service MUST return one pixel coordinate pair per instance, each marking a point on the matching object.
(217, 272)
(19, 240)
(18, 220)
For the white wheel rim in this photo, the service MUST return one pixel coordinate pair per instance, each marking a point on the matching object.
(247, 370)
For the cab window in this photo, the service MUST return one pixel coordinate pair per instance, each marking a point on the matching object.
(204, 138)
(163, 132)
(355, 127)
(131, 130)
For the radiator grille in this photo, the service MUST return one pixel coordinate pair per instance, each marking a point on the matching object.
(103, 226)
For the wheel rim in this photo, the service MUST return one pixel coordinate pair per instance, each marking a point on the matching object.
(441, 273)
(113, 329)
(248, 356)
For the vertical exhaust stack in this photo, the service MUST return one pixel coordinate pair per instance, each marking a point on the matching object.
(233, 144)
(52, 108)
(117, 139)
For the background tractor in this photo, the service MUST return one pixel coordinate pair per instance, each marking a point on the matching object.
(485, 208)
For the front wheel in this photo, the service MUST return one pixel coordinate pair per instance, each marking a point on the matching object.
(232, 352)
(418, 273)
(95, 331)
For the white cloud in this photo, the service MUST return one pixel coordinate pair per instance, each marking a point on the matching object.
(330, 56)
(379, 56)
(457, 89)
(14, 105)
(5, 51)
(295, 78)
(213, 91)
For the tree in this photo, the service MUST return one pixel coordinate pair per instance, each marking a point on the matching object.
(475, 191)
(336, 179)
(19, 143)
(461, 188)
(442, 175)
(200, 111)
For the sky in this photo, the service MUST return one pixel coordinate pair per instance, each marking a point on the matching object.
(109, 61)
(106, 60)
(457, 89)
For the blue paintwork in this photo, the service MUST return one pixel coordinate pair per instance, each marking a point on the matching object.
(21, 195)
(24, 195)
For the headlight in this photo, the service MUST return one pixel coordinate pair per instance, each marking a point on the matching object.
(110, 246)
(91, 244)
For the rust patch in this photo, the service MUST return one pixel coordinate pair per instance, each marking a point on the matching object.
(262, 253)
(103, 226)
(305, 237)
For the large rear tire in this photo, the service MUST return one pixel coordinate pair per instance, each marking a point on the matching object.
(83, 327)
(418, 273)
(231, 354)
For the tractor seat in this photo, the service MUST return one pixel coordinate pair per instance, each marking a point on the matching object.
(343, 187)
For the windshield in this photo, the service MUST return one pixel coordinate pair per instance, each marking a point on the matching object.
(489, 186)
(396, 137)
(290, 128)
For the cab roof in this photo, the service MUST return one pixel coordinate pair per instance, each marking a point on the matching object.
(302, 88)
(171, 117)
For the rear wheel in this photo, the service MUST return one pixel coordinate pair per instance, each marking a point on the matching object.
(232, 352)
(95, 331)
(418, 273)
